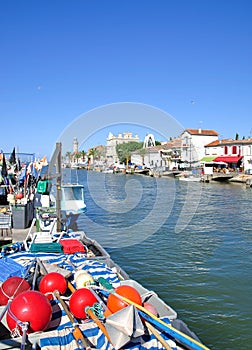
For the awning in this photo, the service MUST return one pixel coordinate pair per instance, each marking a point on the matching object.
(227, 159)
(207, 159)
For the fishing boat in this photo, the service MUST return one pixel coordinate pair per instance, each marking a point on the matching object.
(53, 192)
(85, 299)
(59, 289)
(72, 201)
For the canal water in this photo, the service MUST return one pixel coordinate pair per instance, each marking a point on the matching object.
(189, 242)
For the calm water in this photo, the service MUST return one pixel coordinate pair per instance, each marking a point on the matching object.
(190, 242)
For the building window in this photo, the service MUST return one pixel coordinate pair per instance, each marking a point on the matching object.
(234, 150)
(225, 150)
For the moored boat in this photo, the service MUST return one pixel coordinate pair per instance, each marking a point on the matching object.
(190, 178)
(85, 265)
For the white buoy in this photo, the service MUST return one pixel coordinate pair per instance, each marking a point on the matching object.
(82, 279)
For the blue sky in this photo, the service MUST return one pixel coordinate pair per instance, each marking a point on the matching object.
(61, 59)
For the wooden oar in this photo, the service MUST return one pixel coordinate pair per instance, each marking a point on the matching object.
(168, 328)
(77, 333)
(158, 336)
(98, 322)
(89, 311)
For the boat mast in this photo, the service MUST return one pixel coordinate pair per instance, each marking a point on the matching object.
(58, 186)
(56, 162)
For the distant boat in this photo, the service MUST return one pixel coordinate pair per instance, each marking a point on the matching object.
(72, 201)
(190, 178)
(108, 171)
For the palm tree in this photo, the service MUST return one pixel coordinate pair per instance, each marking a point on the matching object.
(69, 157)
(128, 157)
(83, 155)
(77, 156)
(92, 153)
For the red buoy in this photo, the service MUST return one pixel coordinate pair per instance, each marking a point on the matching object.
(115, 304)
(51, 282)
(11, 288)
(79, 300)
(19, 195)
(150, 307)
(32, 307)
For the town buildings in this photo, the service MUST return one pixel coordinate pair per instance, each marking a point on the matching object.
(113, 141)
(192, 149)
(236, 153)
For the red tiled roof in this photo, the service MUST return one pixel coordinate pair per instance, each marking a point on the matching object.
(202, 132)
(217, 142)
(229, 142)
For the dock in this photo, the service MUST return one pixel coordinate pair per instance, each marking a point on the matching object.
(217, 177)
(15, 235)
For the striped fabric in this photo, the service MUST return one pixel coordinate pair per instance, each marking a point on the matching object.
(60, 335)
(69, 262)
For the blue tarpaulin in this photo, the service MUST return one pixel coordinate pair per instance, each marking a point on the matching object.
(10, 268)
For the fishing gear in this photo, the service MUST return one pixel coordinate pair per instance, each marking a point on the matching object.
(147, 315)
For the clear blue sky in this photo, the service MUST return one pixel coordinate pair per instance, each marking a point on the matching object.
(62, 58)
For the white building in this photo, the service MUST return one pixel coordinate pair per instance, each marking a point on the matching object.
(236, 153)
(193, 142)
(113, 141)
(165, 156)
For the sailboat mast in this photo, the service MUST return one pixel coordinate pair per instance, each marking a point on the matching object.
(58, 186)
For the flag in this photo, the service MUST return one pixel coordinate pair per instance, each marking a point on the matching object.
(4, 170)
(43, 161)
(22, 176)
(34, 171)
(19, 166)
(12, 159)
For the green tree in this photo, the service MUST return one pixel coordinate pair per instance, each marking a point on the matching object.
(77, 156)
(124, 150)
(92, 154)
(68, 156)
(83, 155)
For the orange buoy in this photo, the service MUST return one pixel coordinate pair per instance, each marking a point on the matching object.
(115, 303)
(19, 195)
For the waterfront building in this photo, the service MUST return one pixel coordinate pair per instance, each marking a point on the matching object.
(166, 156)
(237, 154)
(184, 151)
(97, 156)
(113, 141)
(193, 142)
